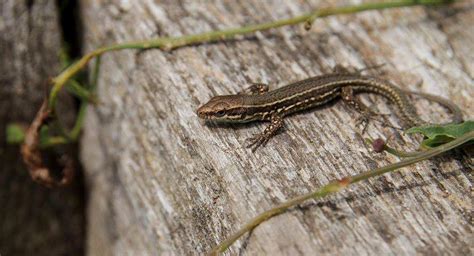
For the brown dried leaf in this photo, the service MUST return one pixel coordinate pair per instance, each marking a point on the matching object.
(32, 155)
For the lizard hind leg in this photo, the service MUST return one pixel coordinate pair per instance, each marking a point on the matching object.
(367, 113)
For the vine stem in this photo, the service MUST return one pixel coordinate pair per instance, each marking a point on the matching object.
(169, 43)
(336, 186)
(395, 152)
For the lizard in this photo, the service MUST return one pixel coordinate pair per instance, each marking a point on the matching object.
(258, 103)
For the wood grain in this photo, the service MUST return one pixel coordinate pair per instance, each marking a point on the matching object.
(163, 182)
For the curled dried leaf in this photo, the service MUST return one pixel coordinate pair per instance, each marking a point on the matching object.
(31, 154)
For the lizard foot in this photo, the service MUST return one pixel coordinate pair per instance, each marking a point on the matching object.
(256, 141)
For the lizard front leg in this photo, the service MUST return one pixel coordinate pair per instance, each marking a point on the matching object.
(255, 88)
(276, 122)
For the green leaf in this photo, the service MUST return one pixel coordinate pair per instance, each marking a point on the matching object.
(440, 134)
(15, 134)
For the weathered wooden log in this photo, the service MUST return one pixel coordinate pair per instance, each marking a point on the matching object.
(163, 182)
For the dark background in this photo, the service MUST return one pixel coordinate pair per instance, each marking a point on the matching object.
(35, 220)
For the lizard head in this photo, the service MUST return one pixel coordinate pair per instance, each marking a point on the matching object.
(227, 108)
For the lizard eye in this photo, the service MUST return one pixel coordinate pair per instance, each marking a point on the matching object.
(220, 113)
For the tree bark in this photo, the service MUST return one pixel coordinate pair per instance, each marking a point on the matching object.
(33, 220)
(163, 182)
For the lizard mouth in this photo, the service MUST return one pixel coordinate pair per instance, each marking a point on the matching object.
(203, 114)
(205, 117)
